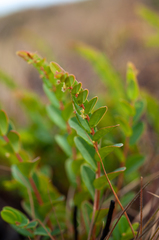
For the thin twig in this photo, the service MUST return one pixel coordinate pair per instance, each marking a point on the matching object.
(115, 192)
(133, 200)
(141, 205)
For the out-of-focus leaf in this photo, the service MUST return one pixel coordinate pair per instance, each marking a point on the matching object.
(3, 123)
(86, 212)
(14, 140)
(41, 231)
(103, 67)
(100, 214)
(22, 231)
(55, 116)
(26, 168)
(97, 116)
(124, 126)
(7, 80)
(132, 88)
(51, 96)
(102, 132)
(88, 177)
(70, 173)
(62, 142)
(137, 132)
(101, 182)
(106, 150)
(139, 107)
(13, 216)
(127, 107)
(20, 177)
(86, 151)
(148, 15)
(67, 112)
(133, 162)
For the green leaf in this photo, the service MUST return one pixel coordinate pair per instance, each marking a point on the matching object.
(22, 231)
(86, 151)
(70, 173)
(132, 88)
(14, 140)
(97, 116)
(148, 15)
(123, 225)
(133, 163)
(76, 166)
(3, 123)
(90, 105)
(67, 112)
(100, 214)
(101, 182)
(13, 216)
(41, 231)
(102, 132)
(20, 177)
(127, 107)
(76, 88)
(51, 96)
(83, 122)
(62, 142)
(106, 150)
(55, 116)
(88, 177)
(124, 126)
(139, 107)
(86, 212)
(103, 67)
(82, 97)
(55, 68)
(32, 224)
(26, 168)
(69, 81)
(81, 197)
(137, 132)
(75, 125)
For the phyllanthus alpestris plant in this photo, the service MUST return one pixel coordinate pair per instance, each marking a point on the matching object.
(79, 138)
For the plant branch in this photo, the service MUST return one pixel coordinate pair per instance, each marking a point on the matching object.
(115, 195)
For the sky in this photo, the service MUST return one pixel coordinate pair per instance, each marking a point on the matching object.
(10, 6)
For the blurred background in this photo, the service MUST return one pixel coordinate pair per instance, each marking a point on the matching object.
(52, 27)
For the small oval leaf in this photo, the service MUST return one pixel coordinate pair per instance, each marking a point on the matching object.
(86, 151)
(14, 140)
(106, 150)
(3, 122)
(90, 105)
(102, 132)
(97, 116)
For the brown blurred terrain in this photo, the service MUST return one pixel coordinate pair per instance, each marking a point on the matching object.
(112, 27)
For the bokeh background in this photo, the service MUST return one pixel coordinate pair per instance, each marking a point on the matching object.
(112, 27)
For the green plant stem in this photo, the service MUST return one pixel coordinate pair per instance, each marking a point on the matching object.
(115, 195)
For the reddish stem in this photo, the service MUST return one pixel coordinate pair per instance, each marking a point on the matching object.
(37, 194)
